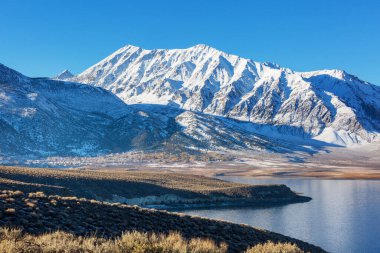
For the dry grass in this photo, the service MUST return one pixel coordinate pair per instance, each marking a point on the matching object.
(13, 241)
(118, 185)
(39, 215)
(270, 247)
(10, 211)
(167, 179)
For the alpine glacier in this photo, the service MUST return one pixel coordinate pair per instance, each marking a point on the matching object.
(329, 105)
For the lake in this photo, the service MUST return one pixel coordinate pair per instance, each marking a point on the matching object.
(344, 215)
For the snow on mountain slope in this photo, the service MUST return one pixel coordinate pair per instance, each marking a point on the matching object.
(40, 116)
(328, 105)
(43, 117)
(64, 75)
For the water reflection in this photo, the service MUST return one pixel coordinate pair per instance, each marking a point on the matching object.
(342, 217)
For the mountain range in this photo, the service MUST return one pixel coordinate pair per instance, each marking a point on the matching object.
(183, 99)
(42, 117)
(329, 105)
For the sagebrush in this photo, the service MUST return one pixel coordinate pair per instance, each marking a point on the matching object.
(270, 247)
(15, 241)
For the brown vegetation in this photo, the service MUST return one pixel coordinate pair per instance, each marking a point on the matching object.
(14, 241)
(270, 247)
(120, 185)
(83, 217)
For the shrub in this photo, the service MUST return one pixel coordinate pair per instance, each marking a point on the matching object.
(36, 195)
(10, 211)
(13, 240)
(270, 247)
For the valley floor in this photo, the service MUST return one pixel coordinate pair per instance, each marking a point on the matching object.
(333, 163)
(358, 162)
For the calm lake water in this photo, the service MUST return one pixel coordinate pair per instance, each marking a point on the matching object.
(344, 215)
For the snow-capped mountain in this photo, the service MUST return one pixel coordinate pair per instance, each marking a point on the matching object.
(44, 117)
(41, 116)
(184, 99)
(327, 105)
(66, 74)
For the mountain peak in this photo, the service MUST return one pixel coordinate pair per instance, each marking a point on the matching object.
(129, 47)
(66, 74)
(196, 47)
(206, 80)
(202, 47)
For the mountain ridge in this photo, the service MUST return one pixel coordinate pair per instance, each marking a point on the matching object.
(43, 117)
(193, 100)
(206, 80)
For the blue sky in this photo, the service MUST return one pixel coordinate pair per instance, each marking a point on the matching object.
(43, 37)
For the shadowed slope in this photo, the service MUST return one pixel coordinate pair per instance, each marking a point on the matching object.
(37, 213)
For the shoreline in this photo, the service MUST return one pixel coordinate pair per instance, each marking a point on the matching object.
(230, 204)
(312, 175)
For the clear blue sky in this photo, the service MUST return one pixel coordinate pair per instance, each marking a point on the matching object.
(43, 37)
